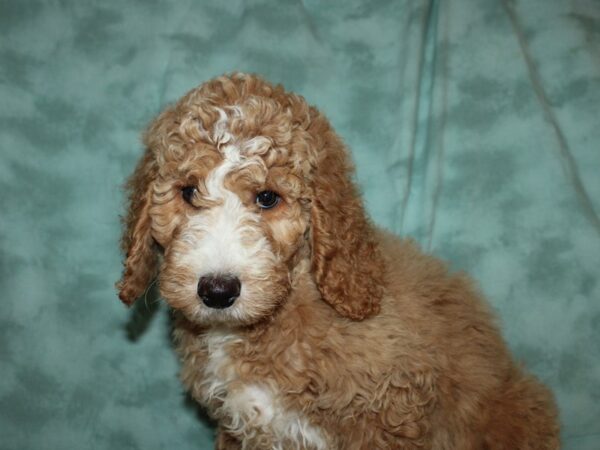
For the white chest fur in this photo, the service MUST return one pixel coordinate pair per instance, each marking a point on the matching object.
(252, 412)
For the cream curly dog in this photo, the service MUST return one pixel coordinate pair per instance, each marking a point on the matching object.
(300, 324)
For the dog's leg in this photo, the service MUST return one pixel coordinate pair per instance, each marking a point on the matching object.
(523, 416)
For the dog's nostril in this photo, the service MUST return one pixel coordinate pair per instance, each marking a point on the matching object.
(219, 291)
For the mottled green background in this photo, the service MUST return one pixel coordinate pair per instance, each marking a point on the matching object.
(475, 126)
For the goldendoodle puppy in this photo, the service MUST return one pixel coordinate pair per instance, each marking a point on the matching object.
(300, 324)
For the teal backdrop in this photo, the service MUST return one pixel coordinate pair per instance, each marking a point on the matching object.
(474, 125)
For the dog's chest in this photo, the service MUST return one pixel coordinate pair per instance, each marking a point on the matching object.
(251, 411)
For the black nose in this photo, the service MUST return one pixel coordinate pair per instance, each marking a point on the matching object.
(219, 291)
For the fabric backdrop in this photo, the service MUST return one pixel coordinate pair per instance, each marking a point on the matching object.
(474, 126)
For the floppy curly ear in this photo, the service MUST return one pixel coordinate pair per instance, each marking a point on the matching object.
(136, 242)
(347, 264)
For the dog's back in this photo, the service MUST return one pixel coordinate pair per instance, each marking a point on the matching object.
(483, 399)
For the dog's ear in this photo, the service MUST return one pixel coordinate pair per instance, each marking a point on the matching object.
(347, 263)
(140, 253)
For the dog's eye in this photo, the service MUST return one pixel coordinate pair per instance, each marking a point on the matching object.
(267, 199)
(188, 193)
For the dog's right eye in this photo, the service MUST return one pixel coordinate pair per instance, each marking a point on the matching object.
(188, 193)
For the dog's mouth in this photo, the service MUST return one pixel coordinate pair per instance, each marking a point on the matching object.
(224, 300)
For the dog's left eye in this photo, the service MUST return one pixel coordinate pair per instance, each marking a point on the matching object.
(188, 193)
(267, 199)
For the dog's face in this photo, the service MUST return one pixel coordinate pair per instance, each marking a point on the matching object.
(242, 184)
(232, 215)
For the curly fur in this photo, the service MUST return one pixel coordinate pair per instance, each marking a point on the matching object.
(344, 336)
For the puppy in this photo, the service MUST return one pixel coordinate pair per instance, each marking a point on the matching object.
(299, 324)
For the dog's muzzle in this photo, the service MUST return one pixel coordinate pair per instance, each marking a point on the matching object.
(219, 291)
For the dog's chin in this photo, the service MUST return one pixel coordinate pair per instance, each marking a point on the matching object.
(260, 299)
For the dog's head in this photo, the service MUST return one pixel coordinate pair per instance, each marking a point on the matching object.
(241, 184)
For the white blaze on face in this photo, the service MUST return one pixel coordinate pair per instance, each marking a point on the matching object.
(226, 238)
